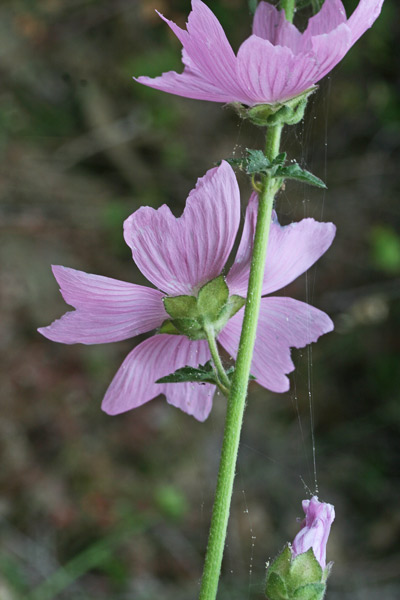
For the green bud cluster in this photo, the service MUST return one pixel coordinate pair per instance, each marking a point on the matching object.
(266, 115)
(299, 578)
(211, 309)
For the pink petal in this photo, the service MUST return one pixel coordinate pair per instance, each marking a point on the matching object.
(188, 85)
(271, 24)
(211, 60)
(180, 255)
(315, 529)
(330, 48)
(331, 15)
(134, 384)
(107, 310)
(363, 17)
(292, 250)
(284, 323)
(270, 74)
(208, 47)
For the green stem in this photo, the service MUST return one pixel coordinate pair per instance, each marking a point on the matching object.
(237, 398)
(219, 367)
(289, 8)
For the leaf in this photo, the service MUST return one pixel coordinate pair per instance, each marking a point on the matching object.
(280, 159)
(257, 162)
(203, 373)
(294, 171)
(236, 163)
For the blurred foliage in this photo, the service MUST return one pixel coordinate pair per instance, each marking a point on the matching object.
(100, 507)
(385, 247)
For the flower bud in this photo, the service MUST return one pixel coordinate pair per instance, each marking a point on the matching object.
(315, 529)
(299, 572)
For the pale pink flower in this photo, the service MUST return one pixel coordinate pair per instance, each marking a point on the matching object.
(178, 256)
(315, 529)
(276, 63)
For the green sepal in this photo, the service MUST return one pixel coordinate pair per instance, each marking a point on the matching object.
(281, 564)
(208, 312)
(203, 373)
(311, 591)
(181, 307)
(192, 328)
(234, 304)
(327, 572)
(305, 568)
(300, 578)
(294, 171)
(169, 327)
(281, 113)
(275, 588)
(212, 298)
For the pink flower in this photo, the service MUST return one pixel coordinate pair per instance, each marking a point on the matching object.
(274, 64)
(315, 529)
(179, 256)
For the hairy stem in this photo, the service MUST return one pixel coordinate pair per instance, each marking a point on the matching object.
(225, 384)
(237, 397)
(289, 8)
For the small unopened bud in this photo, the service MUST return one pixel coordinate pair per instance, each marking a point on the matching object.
(315, 529)
(299, 572)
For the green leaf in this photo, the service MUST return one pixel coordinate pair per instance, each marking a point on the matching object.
(280, 159)
(311, 591)
(275, 588)
(180, 307)
(305, 569)
(236, 163)
(294, 171)
(212, 298)
(203, 373)
(257, 162)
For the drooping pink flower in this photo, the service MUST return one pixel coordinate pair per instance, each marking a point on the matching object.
(179, 256)
(315, 529)
(276, 63)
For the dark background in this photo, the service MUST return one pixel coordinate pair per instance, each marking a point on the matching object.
(124, 502)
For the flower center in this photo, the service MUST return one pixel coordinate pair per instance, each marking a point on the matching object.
(211, 309)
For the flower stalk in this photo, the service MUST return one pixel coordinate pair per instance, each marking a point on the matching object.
(289, 6)
(223, 380)
(238, 393)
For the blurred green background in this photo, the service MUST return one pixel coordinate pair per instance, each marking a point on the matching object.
(99, 507)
